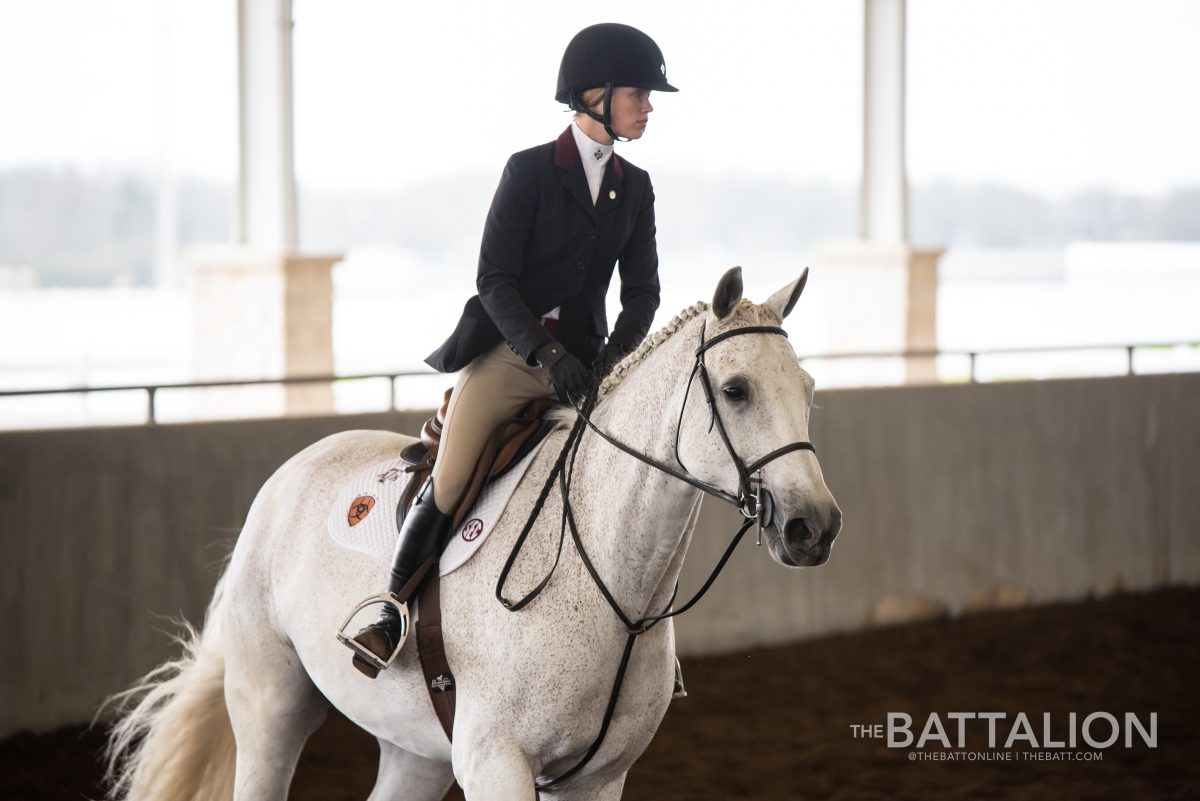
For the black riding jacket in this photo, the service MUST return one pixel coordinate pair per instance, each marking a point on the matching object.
(545, 244)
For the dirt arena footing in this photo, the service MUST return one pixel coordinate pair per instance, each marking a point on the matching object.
(777, 723)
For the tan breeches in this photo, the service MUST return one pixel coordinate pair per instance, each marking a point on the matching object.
(490, 390)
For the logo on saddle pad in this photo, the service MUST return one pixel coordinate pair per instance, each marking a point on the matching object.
(441, 683)
(391, 474)
(472, 529)
(360, 507)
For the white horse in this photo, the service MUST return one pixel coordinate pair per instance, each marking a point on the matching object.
(229, 719)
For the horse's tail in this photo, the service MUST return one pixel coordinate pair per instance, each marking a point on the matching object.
(173, 738)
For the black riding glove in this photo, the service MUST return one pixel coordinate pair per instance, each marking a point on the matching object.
(610, 355)
(572, 381)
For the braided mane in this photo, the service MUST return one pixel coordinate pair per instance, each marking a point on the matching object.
(631, 361)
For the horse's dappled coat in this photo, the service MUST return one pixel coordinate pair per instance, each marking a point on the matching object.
(532, 686)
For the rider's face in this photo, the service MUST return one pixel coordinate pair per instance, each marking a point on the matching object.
(630, 111)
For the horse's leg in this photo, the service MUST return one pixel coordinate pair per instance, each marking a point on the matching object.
(611, 791)
(492, 770)
(607, 792)
(405, 776)
(274, 707)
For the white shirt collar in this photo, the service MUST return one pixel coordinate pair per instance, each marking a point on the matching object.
(592, 152)
(594, 156)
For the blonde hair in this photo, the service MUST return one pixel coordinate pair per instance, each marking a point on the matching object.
(591, 97)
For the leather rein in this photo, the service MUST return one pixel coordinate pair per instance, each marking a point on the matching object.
(754, 503)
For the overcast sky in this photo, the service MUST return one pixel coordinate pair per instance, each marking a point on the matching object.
(1048, 95)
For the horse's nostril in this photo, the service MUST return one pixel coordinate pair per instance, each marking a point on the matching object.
(799, 532)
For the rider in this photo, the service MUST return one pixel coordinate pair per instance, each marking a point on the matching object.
(563, 215)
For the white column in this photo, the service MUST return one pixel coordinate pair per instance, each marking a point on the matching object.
(881, 292)
(260, 308)
(262, 314)
(267, 184)
(167, 271)
(884, 212)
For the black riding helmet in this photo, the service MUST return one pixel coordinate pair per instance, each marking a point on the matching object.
(608, 55)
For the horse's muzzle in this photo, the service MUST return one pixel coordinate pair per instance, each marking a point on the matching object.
(806, 542)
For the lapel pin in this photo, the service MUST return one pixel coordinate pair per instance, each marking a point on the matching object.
(612, 194)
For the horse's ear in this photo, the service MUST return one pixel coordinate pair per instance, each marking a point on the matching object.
(729, 292)
(783, 301)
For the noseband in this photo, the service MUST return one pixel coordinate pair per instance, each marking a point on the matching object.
(752, 500)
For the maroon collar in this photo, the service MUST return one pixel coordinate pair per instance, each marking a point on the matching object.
(566, 154)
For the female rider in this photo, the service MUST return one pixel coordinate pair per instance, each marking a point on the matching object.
(563, 215)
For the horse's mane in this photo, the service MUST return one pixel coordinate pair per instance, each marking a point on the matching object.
(565, 416)
(660, 336)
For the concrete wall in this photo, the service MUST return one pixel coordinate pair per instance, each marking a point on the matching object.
(107, 532)
(955, 498)
(968, 497)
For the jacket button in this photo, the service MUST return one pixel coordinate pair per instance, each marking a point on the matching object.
(580, 265)
(591, 235)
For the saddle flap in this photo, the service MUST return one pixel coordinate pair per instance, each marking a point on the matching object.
(507, 445)
(501, 449)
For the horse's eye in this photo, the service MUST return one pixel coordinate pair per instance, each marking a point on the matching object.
(734, 392)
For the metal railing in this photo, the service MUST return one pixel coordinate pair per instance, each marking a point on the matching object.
(972, 356)
(151, 390)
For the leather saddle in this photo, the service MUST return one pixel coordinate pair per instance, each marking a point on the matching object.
(506, 446)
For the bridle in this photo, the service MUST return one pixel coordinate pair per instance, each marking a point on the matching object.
(752, 500)
(749, 500)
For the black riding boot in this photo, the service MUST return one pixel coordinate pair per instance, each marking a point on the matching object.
(421, 536)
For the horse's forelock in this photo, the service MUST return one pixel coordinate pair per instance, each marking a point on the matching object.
(746, 313)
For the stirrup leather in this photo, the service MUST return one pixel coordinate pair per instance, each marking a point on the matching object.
(358, 648)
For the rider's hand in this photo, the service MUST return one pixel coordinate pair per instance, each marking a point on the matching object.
(609, 357)
(570, 378)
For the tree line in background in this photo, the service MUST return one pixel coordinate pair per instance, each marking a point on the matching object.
(74, 228)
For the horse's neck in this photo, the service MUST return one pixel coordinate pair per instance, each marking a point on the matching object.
(639, 520)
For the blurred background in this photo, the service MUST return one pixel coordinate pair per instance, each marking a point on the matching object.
(1040, 156)
(999, 202)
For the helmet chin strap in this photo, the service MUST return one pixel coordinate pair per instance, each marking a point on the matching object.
(606, 118)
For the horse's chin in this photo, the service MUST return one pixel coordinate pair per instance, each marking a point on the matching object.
(813, 555)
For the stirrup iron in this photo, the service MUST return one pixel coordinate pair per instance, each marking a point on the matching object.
(370, 656)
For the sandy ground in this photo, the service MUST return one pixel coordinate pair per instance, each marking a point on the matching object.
(776, 723)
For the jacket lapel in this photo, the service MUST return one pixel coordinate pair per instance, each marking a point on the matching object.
(612, 186)
(570, 170)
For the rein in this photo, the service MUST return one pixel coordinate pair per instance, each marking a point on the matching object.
(754, 504)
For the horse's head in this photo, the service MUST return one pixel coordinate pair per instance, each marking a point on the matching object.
(763, 398)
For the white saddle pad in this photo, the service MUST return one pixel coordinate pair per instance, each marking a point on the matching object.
(363, 517)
